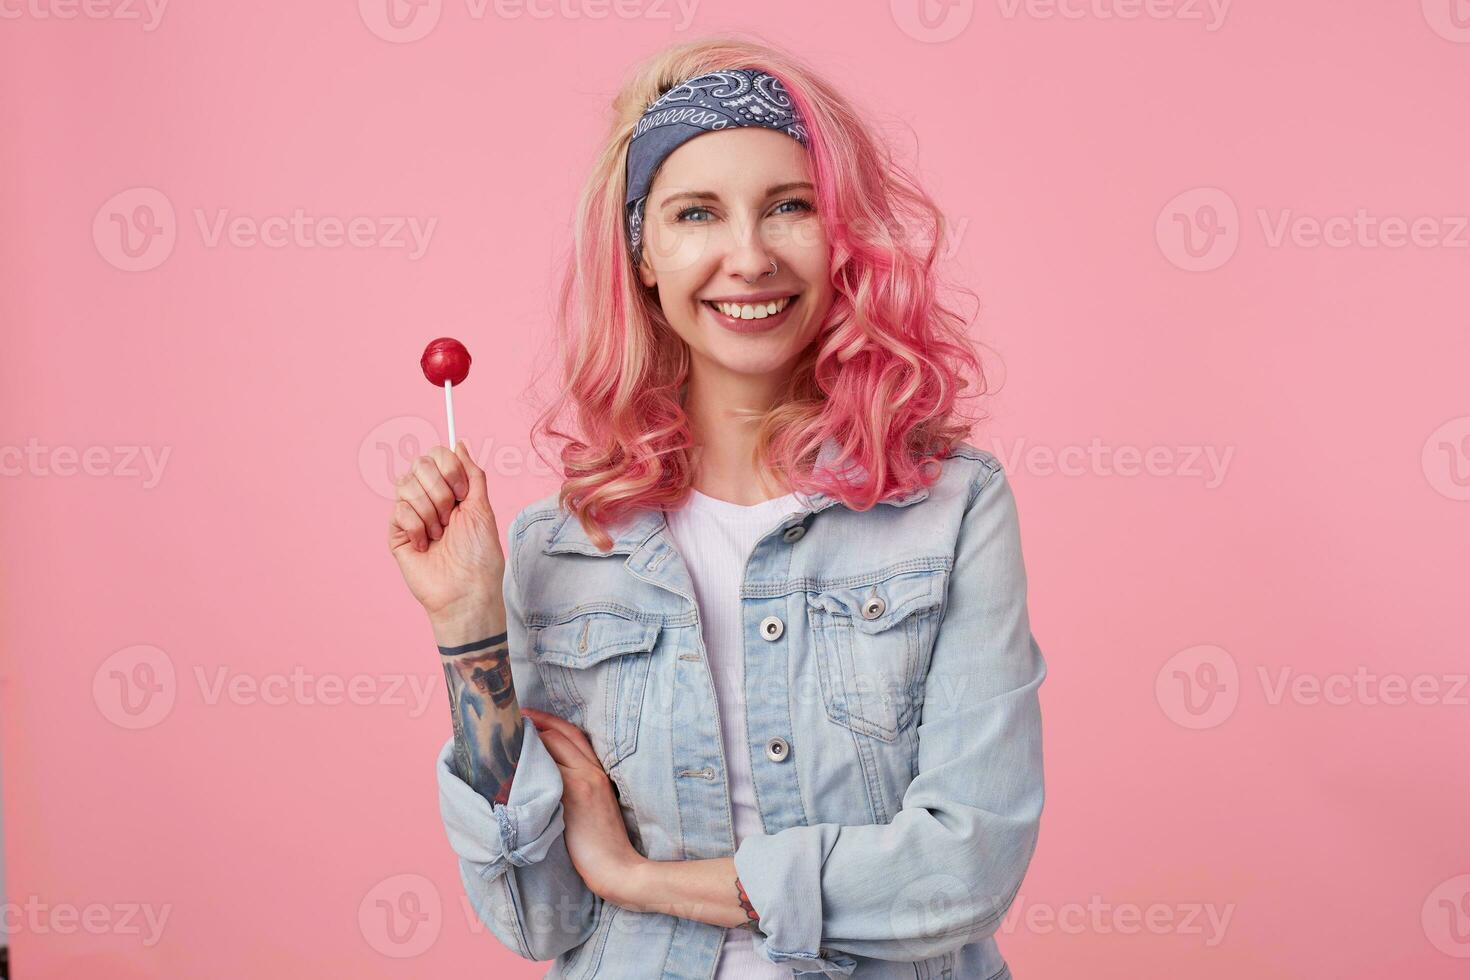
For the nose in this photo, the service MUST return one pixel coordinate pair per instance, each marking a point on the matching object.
(749, 258)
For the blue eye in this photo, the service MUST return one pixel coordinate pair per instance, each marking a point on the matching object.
(805, 205)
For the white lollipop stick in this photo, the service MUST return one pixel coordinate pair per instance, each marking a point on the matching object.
(449, 410)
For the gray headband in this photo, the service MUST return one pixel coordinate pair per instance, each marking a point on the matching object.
(721, 99)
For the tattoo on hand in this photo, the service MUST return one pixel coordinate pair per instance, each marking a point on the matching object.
(751, 916)
(488, 727)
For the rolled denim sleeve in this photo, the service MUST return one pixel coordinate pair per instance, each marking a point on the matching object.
(513, 856)
(946, 869)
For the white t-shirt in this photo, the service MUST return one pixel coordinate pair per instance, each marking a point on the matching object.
(715, 537)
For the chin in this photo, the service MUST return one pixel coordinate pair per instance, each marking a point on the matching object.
(766, 361)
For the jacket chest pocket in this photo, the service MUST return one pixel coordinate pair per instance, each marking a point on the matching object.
(595, 670)
(871, 644)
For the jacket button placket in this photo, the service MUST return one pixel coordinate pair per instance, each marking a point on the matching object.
(770, 630)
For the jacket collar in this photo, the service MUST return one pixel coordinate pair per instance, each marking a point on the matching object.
(629, 534)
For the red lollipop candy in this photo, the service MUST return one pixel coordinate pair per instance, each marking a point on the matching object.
(446, 362)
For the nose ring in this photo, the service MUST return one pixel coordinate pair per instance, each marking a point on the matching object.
(771, 273)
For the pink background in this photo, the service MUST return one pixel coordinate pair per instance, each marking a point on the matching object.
(285, 830)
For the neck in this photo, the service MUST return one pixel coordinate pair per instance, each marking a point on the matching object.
(724, 458)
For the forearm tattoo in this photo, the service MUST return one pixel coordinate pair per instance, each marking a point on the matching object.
(488, 727)
(751, 916)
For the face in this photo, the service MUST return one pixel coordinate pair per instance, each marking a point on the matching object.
(723, 206)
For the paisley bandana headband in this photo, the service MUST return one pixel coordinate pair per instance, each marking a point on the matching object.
(721, 99)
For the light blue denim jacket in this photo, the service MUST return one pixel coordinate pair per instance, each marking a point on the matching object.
(894, 735)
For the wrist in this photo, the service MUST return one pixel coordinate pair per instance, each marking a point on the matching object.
(633, 883)
(468, 623)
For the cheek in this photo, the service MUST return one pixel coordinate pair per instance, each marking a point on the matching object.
(679, 255)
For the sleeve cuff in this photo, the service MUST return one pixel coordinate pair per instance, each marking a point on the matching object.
(784, 882)
(519, 832)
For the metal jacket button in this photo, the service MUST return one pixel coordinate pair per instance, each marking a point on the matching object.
(772, 628)
(793, 533)
(873, 608)
(777, 750)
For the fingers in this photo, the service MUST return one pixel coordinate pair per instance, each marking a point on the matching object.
(476, 476)
(563, 753)
(560, 728)
(435, 488)
(430, 490)
(451, 468)
(412, 493)
(406, 521)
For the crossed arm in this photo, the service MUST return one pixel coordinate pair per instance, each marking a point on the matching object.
(489, 728)
(705, 890)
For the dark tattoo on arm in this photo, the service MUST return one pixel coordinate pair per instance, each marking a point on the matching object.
(488, 727)
(751, 916)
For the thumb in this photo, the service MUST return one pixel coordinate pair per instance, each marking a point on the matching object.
(479, 494)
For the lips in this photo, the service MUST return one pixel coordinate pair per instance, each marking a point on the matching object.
(754, 324)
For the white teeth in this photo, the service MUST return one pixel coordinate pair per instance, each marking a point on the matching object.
(752, 311)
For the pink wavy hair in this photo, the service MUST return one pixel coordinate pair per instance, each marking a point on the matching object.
(882, 377)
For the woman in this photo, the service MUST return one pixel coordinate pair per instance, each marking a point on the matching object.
(772, 630)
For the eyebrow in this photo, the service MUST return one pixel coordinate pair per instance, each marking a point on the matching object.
(712, 196)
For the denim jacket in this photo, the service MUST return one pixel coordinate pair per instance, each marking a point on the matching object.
(894, 735)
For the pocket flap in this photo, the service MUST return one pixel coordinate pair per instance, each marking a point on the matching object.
(902, 595)
(592, 638)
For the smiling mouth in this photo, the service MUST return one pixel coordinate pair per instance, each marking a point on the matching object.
(751, 311)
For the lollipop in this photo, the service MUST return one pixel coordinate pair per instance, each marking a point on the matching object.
(446, 362)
